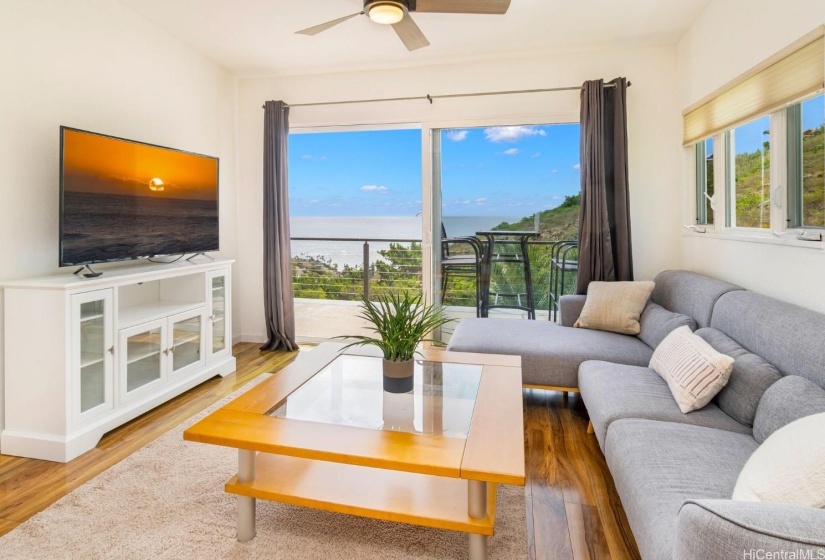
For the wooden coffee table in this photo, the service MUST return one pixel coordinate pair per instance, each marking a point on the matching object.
(322, 433)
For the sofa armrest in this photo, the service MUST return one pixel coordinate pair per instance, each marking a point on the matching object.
(570, 307)
(734, 529)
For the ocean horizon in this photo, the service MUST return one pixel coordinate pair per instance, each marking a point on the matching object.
(373, 227)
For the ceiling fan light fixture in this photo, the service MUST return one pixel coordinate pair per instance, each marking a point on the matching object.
(386, 13)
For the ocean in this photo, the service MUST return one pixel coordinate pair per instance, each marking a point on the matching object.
(98, 227)
(370, 227)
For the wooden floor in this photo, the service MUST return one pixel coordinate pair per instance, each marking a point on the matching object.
(573, 511)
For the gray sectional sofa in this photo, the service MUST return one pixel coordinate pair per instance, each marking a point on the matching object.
(675, 472)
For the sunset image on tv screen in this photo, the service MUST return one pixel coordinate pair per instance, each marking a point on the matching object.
(124, 199)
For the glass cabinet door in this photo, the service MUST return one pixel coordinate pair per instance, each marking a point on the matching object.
(218, 292)
(143, 350)
(93, 353)
(186, 346)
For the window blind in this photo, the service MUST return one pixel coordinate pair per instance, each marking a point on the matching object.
(776, 83)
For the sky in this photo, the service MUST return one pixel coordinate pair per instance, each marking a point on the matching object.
(492, 171)
(750, 135)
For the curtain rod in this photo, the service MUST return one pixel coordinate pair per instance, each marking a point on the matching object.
(431, 98)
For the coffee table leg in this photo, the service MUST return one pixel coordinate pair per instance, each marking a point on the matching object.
(477, 508)
(246, 506)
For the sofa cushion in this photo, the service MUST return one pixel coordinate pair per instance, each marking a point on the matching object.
(789, 467)
(787, 400)
(728, 529)
(612, 392)
(689, 293)
(657, 322)
(788, 336)
(550, 354)
(614, 306)
(658, 465)
(750, 378)
(694, 371)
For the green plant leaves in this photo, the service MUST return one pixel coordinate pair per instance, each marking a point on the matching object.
(401, 322)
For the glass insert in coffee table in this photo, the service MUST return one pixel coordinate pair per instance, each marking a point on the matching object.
(349, 392)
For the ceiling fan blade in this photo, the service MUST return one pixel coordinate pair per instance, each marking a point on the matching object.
(463, 6)
(324, 26)
(410, 33)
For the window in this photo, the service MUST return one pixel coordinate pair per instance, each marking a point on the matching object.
(759, 136)
(704, 182)
(749, 177)
(806, 163)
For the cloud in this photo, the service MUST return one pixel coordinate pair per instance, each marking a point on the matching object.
(457, 135)
(511, 152)
(375, 189)
(557, 197)
(306, 156)
(577, 166)
(537, 154)
(481, 201)
(512, 133)
(315, 158)
(554, 171)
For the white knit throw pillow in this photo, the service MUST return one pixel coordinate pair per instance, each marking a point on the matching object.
(789, 468)
(694, 371)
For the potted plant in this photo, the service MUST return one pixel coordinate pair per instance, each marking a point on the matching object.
(401, 322)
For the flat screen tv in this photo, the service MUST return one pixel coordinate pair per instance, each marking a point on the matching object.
(121, 199)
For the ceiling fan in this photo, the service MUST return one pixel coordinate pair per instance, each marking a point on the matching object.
(397, 14)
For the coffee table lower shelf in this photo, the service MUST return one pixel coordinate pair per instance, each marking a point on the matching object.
(418, 499)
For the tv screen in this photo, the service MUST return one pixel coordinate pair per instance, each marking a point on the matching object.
(122, 199)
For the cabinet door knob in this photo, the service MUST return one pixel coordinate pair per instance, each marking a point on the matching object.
(212, 317)
(112, 350)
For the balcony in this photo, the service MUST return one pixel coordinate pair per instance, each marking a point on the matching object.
(331, 275)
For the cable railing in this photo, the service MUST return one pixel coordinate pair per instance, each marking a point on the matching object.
(346, 269)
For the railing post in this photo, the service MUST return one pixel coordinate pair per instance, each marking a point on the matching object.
(366, 270)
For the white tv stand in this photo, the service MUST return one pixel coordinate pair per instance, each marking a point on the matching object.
(83, 356)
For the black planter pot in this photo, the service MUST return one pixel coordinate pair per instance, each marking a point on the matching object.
(398, 376)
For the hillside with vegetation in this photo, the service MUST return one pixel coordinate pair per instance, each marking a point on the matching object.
(557, 224)
(753, 200)
(813, 177)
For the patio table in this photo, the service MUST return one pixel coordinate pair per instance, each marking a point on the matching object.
(490, 238)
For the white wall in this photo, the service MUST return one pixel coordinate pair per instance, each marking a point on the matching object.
(96, 65)
(654, 133)
(730, 37)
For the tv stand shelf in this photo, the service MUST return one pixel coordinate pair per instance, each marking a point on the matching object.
(144, 312)
(85, 355)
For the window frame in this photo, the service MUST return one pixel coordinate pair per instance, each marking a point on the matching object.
(793, 154)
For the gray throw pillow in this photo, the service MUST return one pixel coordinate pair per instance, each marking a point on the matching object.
(750, 378)
(789, 399)
(657, 322)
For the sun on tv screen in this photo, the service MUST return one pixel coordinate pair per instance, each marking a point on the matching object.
(122, 199)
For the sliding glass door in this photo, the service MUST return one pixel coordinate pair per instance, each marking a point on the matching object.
(523, 180)
(355, 216)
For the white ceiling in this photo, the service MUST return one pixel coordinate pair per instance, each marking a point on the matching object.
(257, 37)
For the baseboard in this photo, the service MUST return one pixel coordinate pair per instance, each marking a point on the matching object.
(256, 338)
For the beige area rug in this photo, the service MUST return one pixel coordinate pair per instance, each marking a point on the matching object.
(167, 501)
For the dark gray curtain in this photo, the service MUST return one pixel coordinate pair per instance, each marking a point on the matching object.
(604, 215)
(278, 305)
